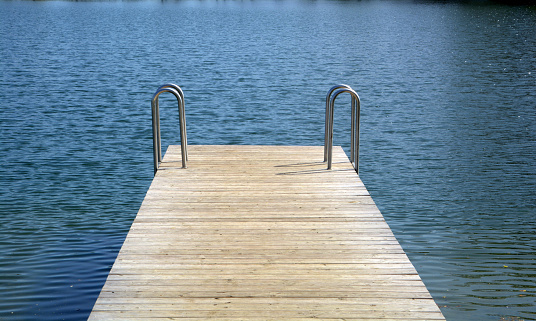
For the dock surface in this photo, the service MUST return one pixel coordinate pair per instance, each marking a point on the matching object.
(261, 233)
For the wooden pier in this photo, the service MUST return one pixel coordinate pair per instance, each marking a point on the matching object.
(261, 233)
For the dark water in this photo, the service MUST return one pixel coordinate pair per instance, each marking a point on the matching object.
(448, 130)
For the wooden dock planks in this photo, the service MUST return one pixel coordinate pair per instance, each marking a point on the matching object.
(261, 233)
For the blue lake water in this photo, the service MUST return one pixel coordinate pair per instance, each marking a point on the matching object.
(448, 145)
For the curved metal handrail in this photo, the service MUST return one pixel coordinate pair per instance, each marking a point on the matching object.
(327, 125)
(157, 148)
(182, 120)
(356, 108)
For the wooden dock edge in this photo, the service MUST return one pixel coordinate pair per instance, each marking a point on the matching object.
(261, 233)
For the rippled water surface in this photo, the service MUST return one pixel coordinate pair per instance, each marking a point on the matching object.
(448, 130)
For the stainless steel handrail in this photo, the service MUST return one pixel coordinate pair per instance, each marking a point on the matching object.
(356, 108)
(157, 144)
(327, 127)
(182, 119)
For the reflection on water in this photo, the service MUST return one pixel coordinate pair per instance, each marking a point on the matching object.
(448, 130)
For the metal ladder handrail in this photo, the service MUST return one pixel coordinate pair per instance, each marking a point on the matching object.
(182, 119)
(356, 108)
(327, 124)
(157, 144)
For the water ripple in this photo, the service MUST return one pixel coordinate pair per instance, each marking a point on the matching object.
(448, 130)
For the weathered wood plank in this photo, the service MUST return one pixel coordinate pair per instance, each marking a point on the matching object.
(261, 233)
(218, 276)
(272, 315)
(130, 292)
